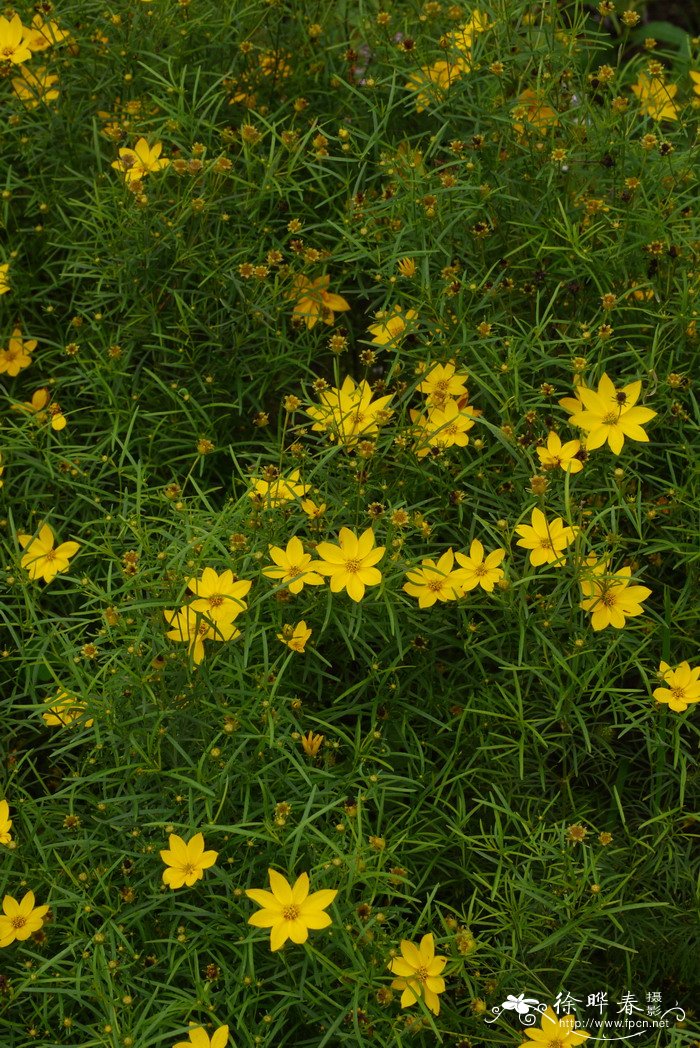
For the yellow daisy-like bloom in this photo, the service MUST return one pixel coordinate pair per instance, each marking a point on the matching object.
(442, 383)
(419, 973)
(35, 86)
(43, 408)
(41, 35)
(140, 161)
(312, 509)
(19, 920)
(186, 861)
(18, 354)
(65, 711)
(533, 110)
(5, 823)
(293, 567)
(295, 637)
(554, 1032)
(391, 327)
(192, 629)
(609, 596)
(351, 564)
(272, 493)
(431, 83)
(433, 582)
(565, 456)
(199, 1038)
(41, 559)
(656, 97)
(477, 570)
(219, 597)
(406, 267)
(311, 743)
(4, 282)
(443, 427)
(13, 45)
(314, 301)
(349, 414)
(289, 911)
(545, 540)
(695, 77)
(682, 687)
(609, 414)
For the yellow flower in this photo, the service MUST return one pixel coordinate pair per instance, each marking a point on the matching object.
(41, 406)
(656, 97)
(295, 637)
(609, 596)
(695, 77)
(310, 744)
(41, 35)
(312, 510)
(186, 861)
(609, 414)
(4, 282)
(475, 570)
(545, 540)
(21, 919)
(140, 161)
(555, 1031)
(442, 383)
(314, 302)
(419, 973)
(35, 86)
(190, 628)
(443, 427)
(349, 414)
(199, 1038)
(407, 266)
(682, 688)
(562, 455)
(41, 559)
(293, 567)
(391, 327)
(289, 911)
(13, 47)
(433, 582)
(532, 109)
(273, 493)
(6, 823)
(219, 597)
(17, 356)
(65, 711)
(430, 83)
(350, 564)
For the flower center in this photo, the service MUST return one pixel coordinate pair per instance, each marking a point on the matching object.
(546, 543)
(610, 419)
(678, 693)
(50, 554)
(422, 973)
(19, 921)
(189, 868)
(480, 570)
(215, 600)
(291, 913)
(555, 1043)
(436, 584)
(7, 51)
(203, 629)
(352, 566)
(293, 571)
(608, 599)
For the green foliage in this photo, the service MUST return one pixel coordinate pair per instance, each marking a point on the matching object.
(464, 744)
